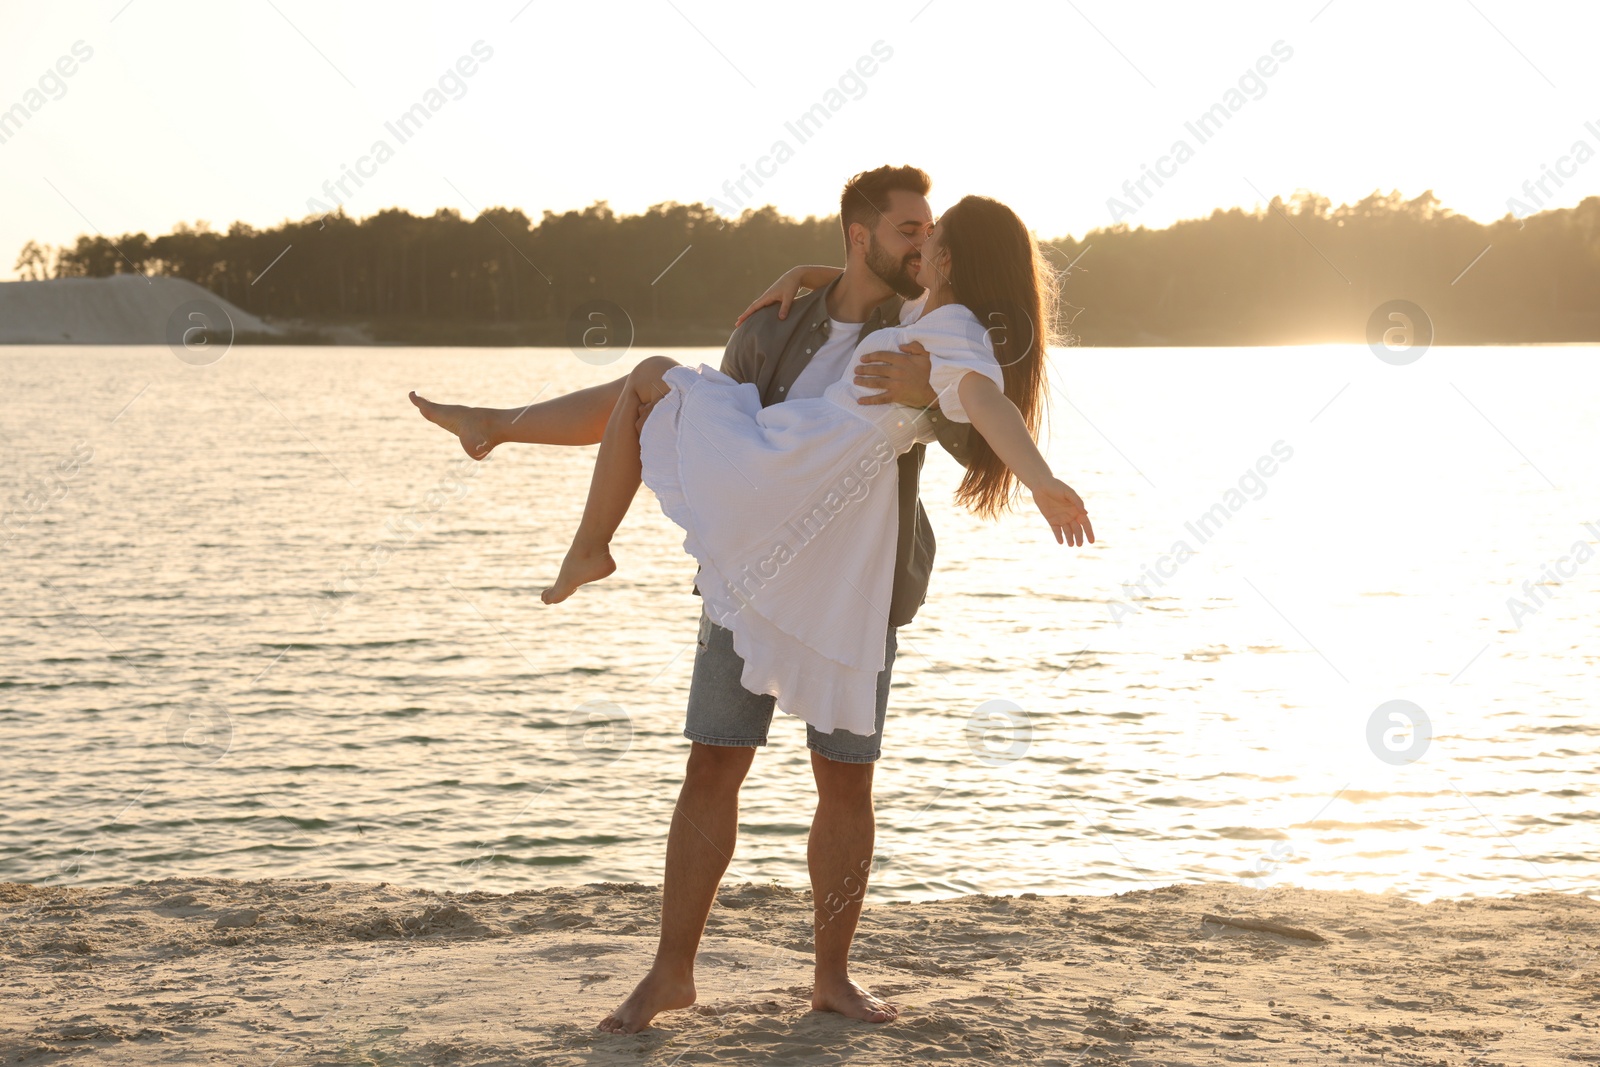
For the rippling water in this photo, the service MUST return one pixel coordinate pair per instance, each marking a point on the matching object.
(262, 620)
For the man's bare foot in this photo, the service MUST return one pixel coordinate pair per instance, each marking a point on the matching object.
(468, 424)
(584, 564)
(850, 1000)
(653, 994)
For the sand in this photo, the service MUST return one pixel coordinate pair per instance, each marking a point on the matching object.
(127, 309)
(279, 972)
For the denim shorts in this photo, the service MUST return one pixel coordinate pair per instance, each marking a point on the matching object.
(724, 712)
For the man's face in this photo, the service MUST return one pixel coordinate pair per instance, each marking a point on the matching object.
(895, 242)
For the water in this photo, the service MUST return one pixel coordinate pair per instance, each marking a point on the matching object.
(183, 690)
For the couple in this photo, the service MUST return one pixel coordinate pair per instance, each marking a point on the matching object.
(793, 472)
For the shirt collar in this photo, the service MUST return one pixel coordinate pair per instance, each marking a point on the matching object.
(885, 314)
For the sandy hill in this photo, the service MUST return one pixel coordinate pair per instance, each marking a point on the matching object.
(126, 309)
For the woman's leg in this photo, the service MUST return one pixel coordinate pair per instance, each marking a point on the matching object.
(571, 419)
(615, 483)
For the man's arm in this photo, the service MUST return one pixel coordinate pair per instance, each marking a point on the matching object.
(739, 357)
(903, 377)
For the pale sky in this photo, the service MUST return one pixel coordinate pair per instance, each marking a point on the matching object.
(192, 110)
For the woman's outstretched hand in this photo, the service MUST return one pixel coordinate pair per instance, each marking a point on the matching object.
(1063, 509)
(781, 292)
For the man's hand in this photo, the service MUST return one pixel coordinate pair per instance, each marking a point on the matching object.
(644, 413)
(903, 377)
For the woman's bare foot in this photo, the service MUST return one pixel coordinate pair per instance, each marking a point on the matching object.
(653, 994)
(584, 564)
(850, 1000)
(468, 424)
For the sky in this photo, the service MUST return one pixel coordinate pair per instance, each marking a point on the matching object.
(253, 110)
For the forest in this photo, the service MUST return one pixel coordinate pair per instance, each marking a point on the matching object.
(1296, 271)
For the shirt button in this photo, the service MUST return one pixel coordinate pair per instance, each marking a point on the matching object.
(781, 388)
(808, 351)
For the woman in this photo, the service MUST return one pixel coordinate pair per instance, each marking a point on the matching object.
(790, 509)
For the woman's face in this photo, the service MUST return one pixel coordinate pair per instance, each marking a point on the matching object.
(934, 271)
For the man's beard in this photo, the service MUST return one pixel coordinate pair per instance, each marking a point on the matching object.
(893, 272)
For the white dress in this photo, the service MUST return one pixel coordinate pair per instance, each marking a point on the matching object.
(792, 512)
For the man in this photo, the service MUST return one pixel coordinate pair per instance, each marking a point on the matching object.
(885, 217)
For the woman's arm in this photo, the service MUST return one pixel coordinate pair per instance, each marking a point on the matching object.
(998, 420)
(783, 291)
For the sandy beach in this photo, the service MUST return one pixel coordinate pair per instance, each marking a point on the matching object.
(289, 972)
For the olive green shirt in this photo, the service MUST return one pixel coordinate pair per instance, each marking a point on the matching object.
(771, 352)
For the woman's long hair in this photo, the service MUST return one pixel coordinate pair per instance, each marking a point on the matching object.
(997, 272)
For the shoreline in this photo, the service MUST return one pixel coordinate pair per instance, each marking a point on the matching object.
(341, 971)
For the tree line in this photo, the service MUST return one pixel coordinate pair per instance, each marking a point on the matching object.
(1296, 271)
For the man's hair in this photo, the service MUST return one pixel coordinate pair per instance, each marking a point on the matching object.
(866, 196)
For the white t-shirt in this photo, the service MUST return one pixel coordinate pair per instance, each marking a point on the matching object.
(911, 310)
(828, 363)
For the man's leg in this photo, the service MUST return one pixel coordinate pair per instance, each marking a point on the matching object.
(727, 723)
(699, 847)
(577, 418)
(840, 857)
(839, 852)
